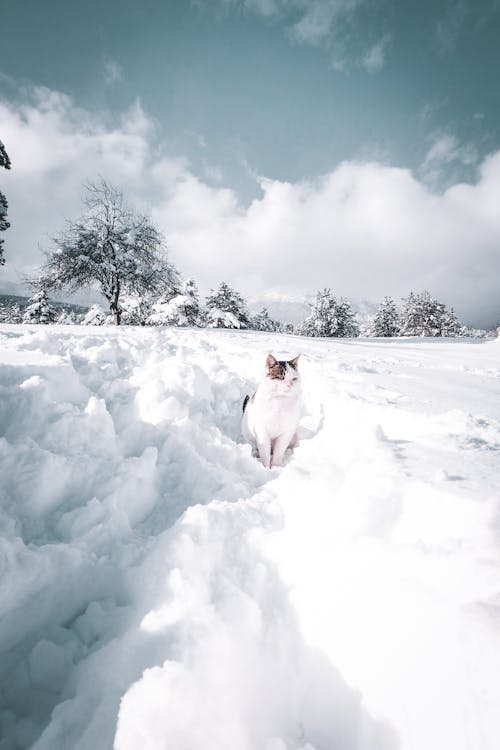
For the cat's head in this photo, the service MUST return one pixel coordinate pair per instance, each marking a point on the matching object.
(283, 373)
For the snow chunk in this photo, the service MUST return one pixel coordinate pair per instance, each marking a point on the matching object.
(48, 665)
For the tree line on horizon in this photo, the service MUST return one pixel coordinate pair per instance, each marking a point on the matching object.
(180, 306)
(120, 252)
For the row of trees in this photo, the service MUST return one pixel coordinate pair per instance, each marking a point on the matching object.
(121, 253)
(420, 314)
(180, 306)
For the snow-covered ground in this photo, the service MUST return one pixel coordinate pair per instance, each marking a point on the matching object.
(159, 589)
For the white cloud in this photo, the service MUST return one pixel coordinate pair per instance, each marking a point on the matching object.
(449, 26)
(54, 147)
(318, 19)
(365, 229)
(327, 24)
(112, 71)
(212, 173)
(374, 59)
(264, 7)
(340, 64)
(446, 150)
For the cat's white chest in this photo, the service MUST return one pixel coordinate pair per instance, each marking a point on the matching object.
(275, 414)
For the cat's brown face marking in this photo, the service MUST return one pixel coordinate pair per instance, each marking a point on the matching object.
(276, 369)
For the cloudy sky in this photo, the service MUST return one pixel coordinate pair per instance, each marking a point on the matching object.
(280, 144)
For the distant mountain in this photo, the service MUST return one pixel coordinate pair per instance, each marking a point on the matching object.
(293, 308)
(6, 300)
(283, 307)
(14, 288)
(84, 298)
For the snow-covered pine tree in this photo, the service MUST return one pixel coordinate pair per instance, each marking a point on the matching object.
(347, 326)
(181, 308)
(433, 314)
(476, 333)
(321, 320)
(226, 308)
(66, 318)
(411, 323)
(263, 322)
(39, 310)
(15, 314)
(94, 317)
(386, 322)
(422, 315)
(4, 224)
(135, 309)
(329, 317)
(11, 313)
(451, 325)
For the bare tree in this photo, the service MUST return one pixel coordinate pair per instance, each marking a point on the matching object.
(111, 247)
(4, 224)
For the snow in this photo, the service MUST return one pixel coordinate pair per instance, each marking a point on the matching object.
(95, 316)
(176, 311)
(160, 589)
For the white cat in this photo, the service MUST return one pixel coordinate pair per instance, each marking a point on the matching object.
(271, 416)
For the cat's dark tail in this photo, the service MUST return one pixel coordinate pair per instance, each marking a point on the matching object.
(245, 401)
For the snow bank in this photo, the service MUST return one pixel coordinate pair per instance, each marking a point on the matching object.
(160, 589)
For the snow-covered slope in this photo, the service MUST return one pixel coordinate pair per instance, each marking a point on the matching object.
(160, 589)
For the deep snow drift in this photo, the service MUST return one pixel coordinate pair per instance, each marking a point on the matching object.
(161, 590)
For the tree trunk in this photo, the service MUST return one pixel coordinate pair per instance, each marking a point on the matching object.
(115, 310)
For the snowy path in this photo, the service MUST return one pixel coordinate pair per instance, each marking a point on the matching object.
(160, 589)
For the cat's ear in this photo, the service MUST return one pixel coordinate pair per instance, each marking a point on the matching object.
(271, 361)
(295, 362)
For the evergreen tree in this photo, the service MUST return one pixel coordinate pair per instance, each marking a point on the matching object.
(263, 322)
(94, 317)
(321, 320)
(386, 323)
(226, 308)
(66, 318)
(329, 317)
(347, 326)
(433, 314)
(4, 224)
(11, 313)
(39, 310)
(422, 315)
(135, 309)
(451, 325)
(179, 309)
(411, 323)
(15, 314)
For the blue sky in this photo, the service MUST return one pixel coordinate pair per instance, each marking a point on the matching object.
(231, 94)
(239, 81)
